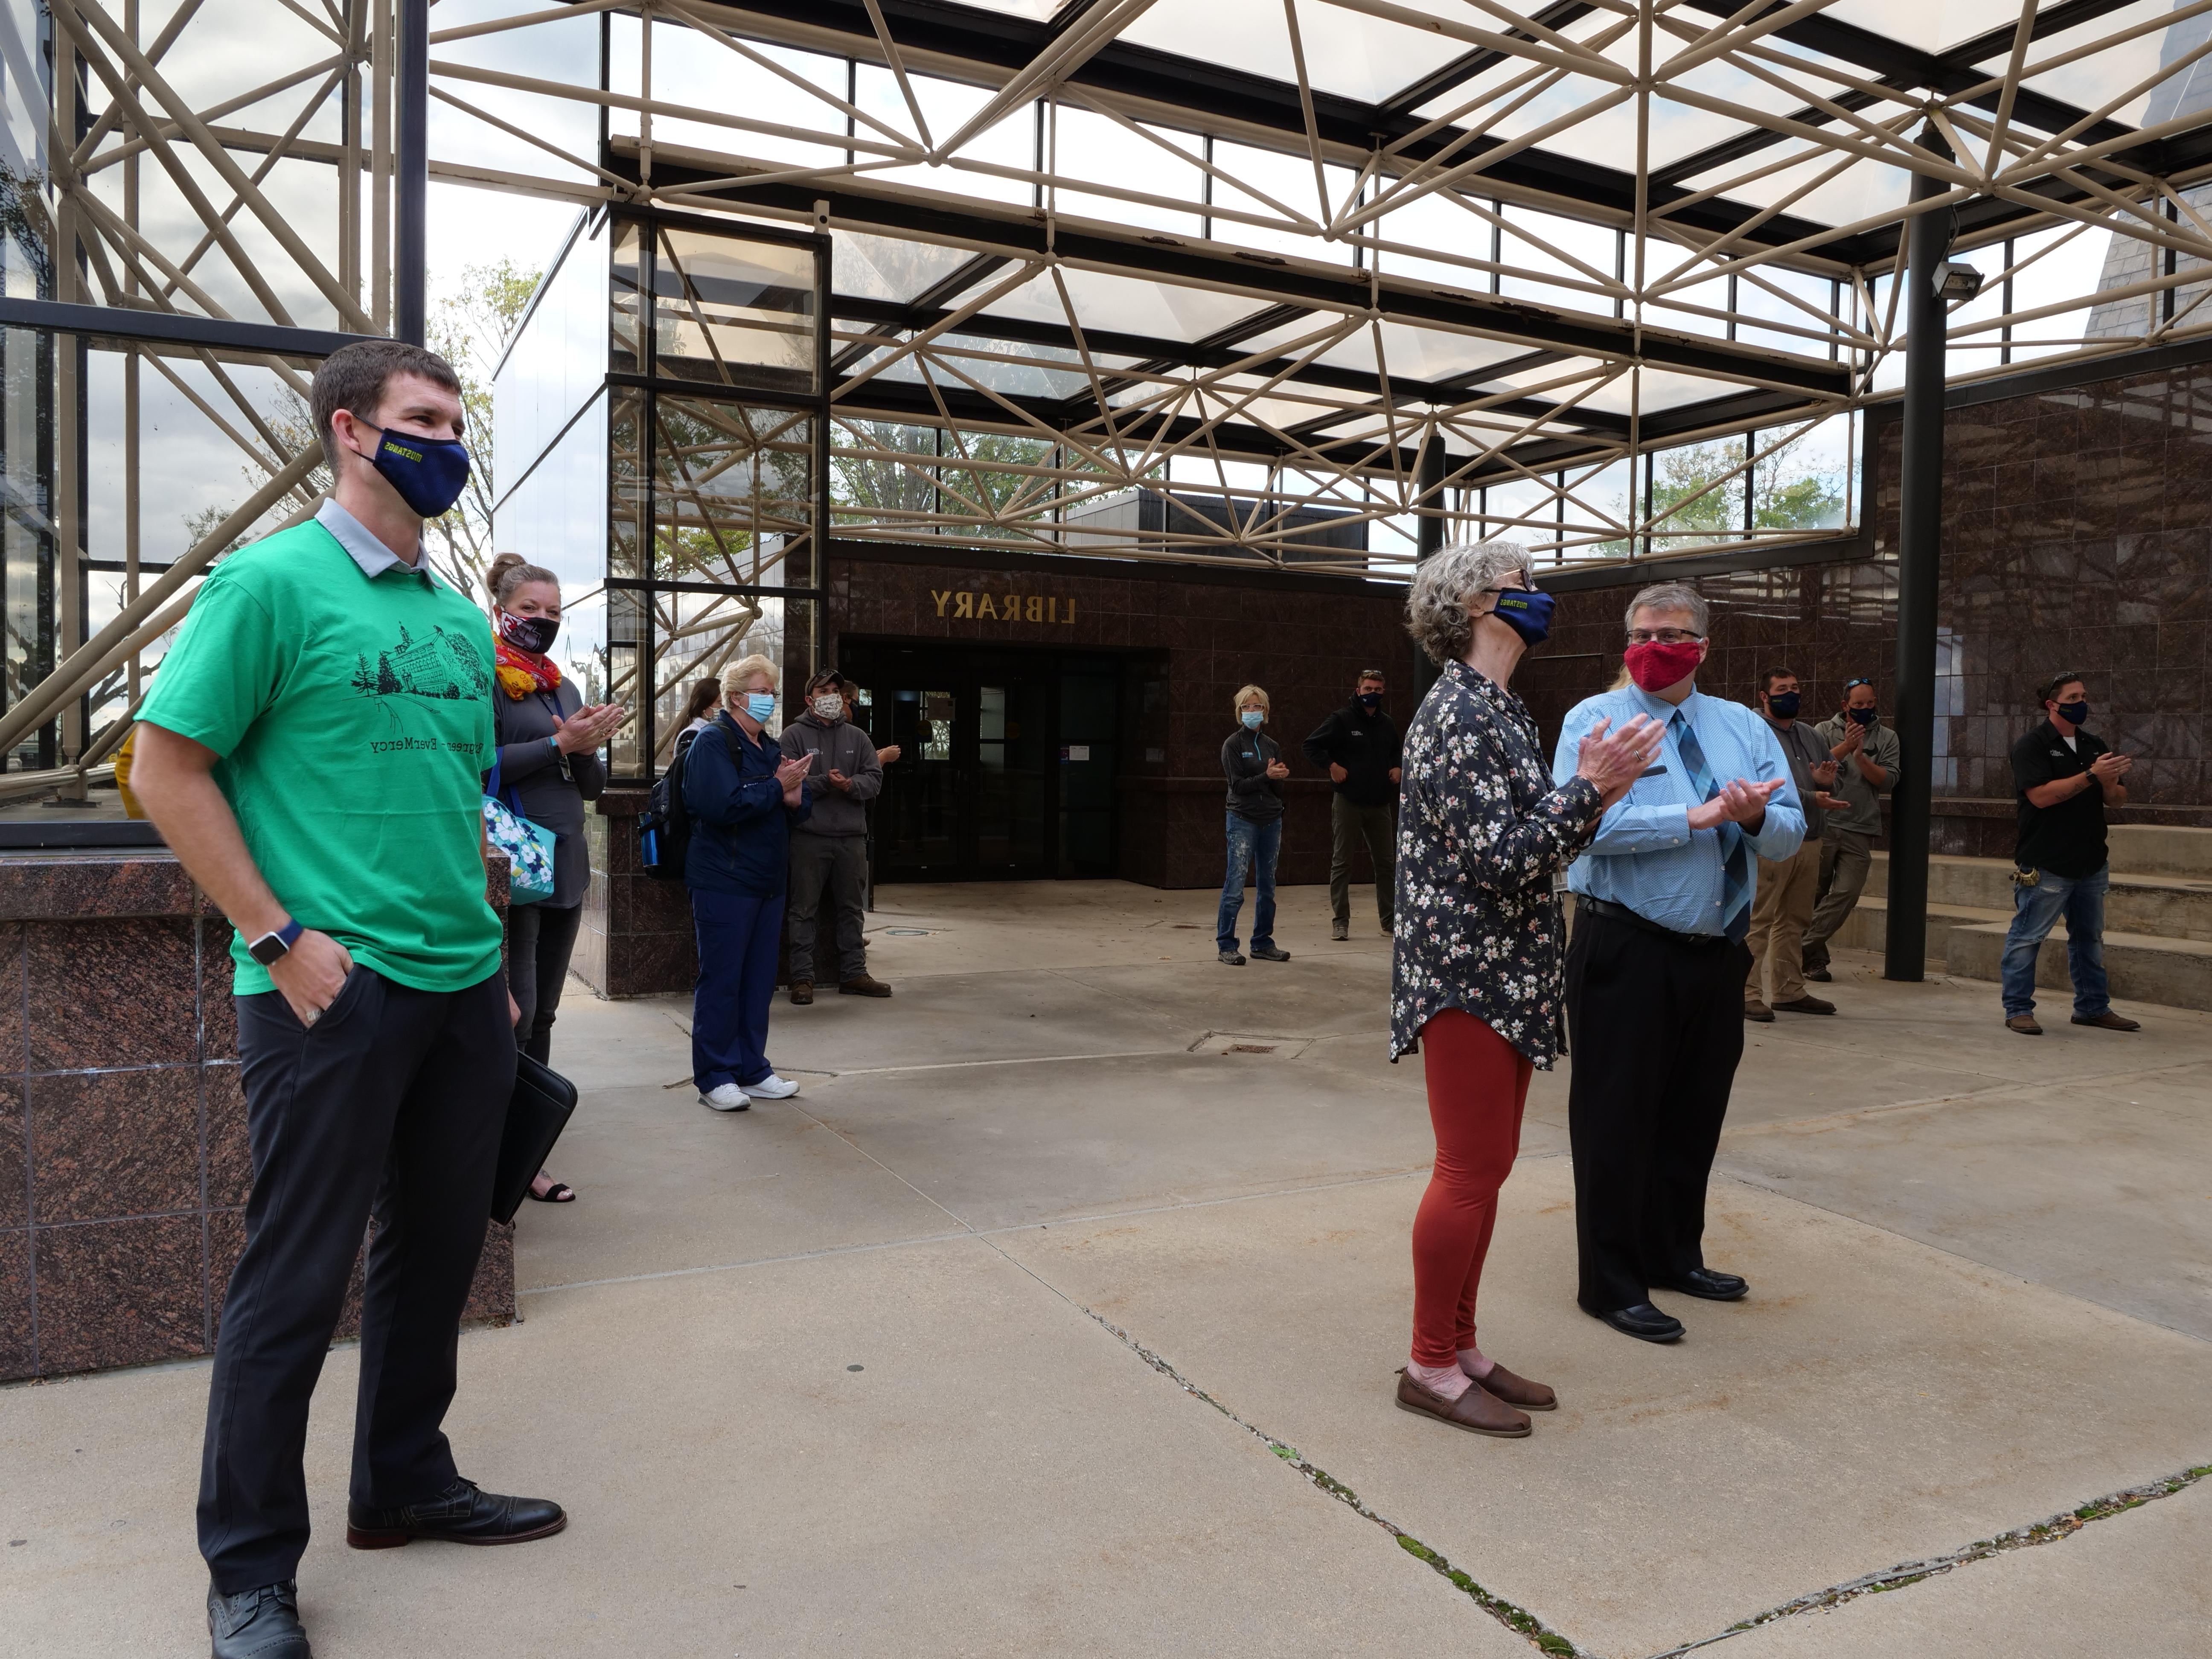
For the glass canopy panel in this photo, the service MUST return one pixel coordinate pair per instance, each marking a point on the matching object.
(733, 493)
(2142, 70)
(743, 107)
(1352, 53)
(1276, 199)
(887, 268)
(1087, 146)
(1930, 25)
(984, 163)
(562, 49)
(735, 312)
(1122, 305)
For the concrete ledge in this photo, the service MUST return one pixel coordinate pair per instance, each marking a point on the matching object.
(2173, 973)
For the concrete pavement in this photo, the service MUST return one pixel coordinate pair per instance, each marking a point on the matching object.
(1116, 1237)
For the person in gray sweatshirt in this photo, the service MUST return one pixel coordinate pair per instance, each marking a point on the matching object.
(829, 851)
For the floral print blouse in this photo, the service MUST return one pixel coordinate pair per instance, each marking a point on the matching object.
(1481, 832)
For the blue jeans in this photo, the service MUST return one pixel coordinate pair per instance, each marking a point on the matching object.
(1252, 847)
(737, 936)
(2035, 912)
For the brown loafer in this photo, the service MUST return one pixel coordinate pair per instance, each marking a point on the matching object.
(1476, 1410)
(1518, 1390)
(863, 985)
(802, 993)
(2024, 1025)
(1760, 1011)
(2109, 1021)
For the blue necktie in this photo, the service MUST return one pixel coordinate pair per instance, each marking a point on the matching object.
(1735, 864)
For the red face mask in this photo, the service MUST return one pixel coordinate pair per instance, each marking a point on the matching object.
(1654, 667)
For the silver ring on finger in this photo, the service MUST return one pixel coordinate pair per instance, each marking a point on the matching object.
(313, 1014)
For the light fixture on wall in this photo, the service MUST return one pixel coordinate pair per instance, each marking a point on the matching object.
(1957, 282)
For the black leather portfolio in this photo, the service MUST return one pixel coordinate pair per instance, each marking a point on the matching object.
(535, 1114)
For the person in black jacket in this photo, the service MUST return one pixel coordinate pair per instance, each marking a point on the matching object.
(1359, 747)
(1253, 764)
(549, 766)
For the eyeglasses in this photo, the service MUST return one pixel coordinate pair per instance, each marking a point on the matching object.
(1662, 636)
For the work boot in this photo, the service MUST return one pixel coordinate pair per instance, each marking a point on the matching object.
(2109, 1021)
(861, 985)
(802, 993)
(1754, 1009)
(2024, 1025)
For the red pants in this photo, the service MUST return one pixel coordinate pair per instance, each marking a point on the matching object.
(1478, 1084)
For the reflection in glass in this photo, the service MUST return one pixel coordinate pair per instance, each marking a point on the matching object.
(733, 312)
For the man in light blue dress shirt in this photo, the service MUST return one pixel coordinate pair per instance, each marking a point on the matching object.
(1656, 970)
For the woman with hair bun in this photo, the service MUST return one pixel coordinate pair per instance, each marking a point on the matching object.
(549, 766)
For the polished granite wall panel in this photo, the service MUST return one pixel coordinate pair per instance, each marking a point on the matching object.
(1305, 648)
(123, 1161)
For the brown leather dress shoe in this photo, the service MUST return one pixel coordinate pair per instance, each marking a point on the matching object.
(1758, 1011)
(2024, 1025)
(2109, 1021)
(802, 993)
(863, 985)
(1806, 1004)
(1519, 1390)
(1476, 1410)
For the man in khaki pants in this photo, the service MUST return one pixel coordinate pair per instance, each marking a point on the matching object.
(1787, 887)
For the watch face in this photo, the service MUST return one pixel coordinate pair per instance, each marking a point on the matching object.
(270, 947)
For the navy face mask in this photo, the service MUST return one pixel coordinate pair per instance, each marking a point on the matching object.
(1864, 716)
(1785, 706)
(2073, 713)
(430, 473)
(1526, 611)
(1370, 699)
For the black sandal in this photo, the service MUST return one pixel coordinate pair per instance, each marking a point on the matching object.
(559, 1192)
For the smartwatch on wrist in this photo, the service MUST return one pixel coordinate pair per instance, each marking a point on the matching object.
(272, 947)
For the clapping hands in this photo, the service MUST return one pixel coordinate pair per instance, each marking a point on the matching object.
(589, 726)
(1738, 802)
(1613, 760)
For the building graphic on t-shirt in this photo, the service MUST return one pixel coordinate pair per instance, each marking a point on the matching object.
(441, 666)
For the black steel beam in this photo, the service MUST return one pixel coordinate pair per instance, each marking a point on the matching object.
(1155, 255)
(1919, 561)
(410, 261)
(172, 328)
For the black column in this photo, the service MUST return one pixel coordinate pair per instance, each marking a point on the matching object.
(411, 242)
(1428, 537)
(1919, 537)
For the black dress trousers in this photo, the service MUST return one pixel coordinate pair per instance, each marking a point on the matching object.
(1656, 1022)
(393, 1101)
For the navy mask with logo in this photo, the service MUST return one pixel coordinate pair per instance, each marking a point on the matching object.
(1864, 716)
(2073, 713)
(1526, 611)
(1370, 700)
(1784, 706)
(430, 473)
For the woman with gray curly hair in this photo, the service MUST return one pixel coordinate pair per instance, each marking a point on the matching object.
(1476, 985)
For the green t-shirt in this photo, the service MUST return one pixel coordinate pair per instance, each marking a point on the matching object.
(353, 715)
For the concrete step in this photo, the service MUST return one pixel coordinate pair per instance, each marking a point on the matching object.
(1969, 941)
(2159, 849)
(2162, 906)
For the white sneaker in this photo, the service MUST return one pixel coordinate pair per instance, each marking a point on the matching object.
(772, 1087)
(726, 1098)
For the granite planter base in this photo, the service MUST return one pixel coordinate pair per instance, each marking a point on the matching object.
(123, 1163)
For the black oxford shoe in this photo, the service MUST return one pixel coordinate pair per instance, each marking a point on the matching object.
(1712, 1287)
(257, 1624)
(463, 1514)
(1644, 1320)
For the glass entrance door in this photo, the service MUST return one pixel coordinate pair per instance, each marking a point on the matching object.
(970, 793)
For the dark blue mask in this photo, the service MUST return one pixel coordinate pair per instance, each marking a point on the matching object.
(430, 473)
(1370, 699)
(1864, 716)
(1784, 707)
(2073, 713)
(1526, 611)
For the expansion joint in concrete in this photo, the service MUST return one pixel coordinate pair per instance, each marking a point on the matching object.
(2049, 1531)
(1516, 1619)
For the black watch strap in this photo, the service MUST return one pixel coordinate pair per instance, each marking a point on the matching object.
(272, 947)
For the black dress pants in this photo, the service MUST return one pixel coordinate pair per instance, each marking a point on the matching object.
(1656, 1025)
(540, 939)
(392, 1100)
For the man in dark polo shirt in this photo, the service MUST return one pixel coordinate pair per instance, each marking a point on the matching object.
(2066, 779)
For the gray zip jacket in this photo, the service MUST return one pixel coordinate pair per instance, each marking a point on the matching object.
(842, 746)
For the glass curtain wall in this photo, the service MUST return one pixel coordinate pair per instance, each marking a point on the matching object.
(700, 442)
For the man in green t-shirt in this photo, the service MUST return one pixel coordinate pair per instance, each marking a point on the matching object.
(312, 751)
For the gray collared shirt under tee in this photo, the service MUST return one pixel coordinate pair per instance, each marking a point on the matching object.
(373, 557)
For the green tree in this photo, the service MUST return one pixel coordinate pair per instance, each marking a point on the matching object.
(470, 329)
(1693, 499)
